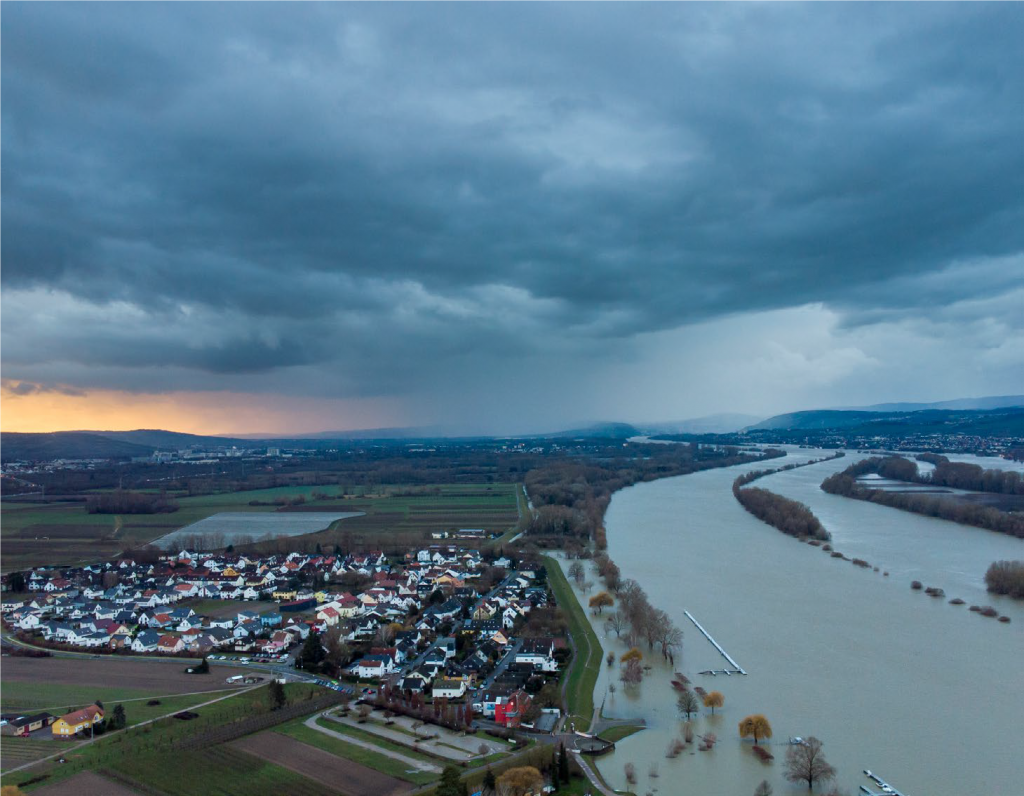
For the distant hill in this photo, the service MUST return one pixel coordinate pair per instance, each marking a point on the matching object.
(710, 424)
(983, 422)
(66, 445)
(990, 402)
(168, 440)
(407, 432)
(605, 430)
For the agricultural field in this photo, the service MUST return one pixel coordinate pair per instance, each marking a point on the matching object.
(87, 783)
(55, 685)
(322, 766)
(150, 755)
(407, 516)
(17, 751)
(36, 534)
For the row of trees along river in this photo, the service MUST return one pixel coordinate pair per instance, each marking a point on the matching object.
(945, 474)
(924, 693)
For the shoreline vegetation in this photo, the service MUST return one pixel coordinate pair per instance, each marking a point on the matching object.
(571, 501)
(946, 474)
(570, 498)
(634, 619)
(1006, 577)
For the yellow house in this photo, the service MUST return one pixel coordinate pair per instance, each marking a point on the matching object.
(66, 726)
(285, 595)
(229, 572)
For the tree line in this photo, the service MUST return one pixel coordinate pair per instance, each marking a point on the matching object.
(571, 496)
(845, 484)
(955, 475)
(122, 501)
(789, 516)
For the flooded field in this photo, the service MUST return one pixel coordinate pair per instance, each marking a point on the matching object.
(233, 526)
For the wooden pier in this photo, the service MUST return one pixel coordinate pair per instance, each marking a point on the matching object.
(717, 646)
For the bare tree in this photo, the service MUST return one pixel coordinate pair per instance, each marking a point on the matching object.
(630, 594)
(688, 703)
(655, 624)
(617, 622)
(576, 572)
(764, 789)
(671, 638)
(806, 762)
(632, 672)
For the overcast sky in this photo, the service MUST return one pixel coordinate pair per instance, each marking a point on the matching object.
(283, 217)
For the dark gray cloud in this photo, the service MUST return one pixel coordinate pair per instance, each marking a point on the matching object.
(350, 199)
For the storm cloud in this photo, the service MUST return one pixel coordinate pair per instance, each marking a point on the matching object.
(433, 202)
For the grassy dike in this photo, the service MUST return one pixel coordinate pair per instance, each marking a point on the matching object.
(586, 663)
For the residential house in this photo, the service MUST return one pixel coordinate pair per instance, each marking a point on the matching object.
(146, 641)
(76, 721)
(444, 688)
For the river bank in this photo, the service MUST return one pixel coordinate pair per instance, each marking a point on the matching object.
(888, 679)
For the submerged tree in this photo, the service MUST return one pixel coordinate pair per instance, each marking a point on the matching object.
(687, 702)
(714, 700)
(618, 622)
(806, 763)
(757, 726)
(601, 600)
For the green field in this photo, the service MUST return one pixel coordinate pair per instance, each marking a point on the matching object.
(65, 533)
(20, 695)
(403, 520)
(145, 754)
(616, 734)
(378, 762)
(56, 698)
(221, 770)
(586, 664)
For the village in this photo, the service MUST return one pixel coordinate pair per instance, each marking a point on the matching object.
(443, 624)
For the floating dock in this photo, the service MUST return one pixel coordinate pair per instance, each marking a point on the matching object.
(886, 788)
(717, 646)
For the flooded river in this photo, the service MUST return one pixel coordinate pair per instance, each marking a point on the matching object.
(926, 694)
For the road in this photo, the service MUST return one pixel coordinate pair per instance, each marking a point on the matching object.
(503, 664)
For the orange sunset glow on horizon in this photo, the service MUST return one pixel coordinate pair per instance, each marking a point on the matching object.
(210, 413)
